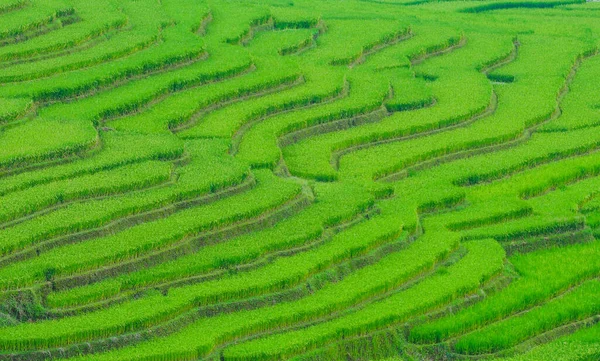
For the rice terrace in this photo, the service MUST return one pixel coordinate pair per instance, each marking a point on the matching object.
(307, 180)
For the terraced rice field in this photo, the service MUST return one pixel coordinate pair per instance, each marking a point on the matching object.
(307, 180)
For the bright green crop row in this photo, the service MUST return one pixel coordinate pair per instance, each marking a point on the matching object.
(417, 95)
(39, 140)
(312, 157)
(481, 262)
(267, 132)
(364, 283)
(117, 149)
(236, 21)
(423, 42)
(292, 42)
(294, 18)
(120, 45)
(575, 305)
(136, 93)
(206, 158)
(180, 107)
(178, 44)
(543, 274)
(544, 147)
(580, 106)
(518, 108)
(259, 146)
(11, 5)
(347, 40)
(535, 182)
(579, 346)
(540, 200)
(138, 240)
(122, 179)
(406, 143)
(510, 4)
(224, 61)
(527, 227)
(427, 147)
(33, 16)
(551, 178)
(89, 29)
(278, 275)
(13, 108)
(540, 149)
(225, 122)
(553, 212)
(336, 204)
(460, 92)
(494, 207)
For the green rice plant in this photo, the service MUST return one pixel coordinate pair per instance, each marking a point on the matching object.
(537, 182)
(188, 13)
(543, 274)
(90, 28)
(290, 18)
(580, 346)
(120, 45)
(288, 271)
(296, 41)
(558, 209)
(424, 41)
(318, 87)
(39, 140)
(237, 23)
(360, 285)
(406, 143)
(553, 212)
(316, 162)
(206, 157)
(117, 149)
(286, 39)
(527, 227)
(137, 93)
(10, 5)
(336, 204)
(179, 108)
(541, 148)
(365, 96)
(122, 179)
(464, 98)
(574, 305)
(224, 62)
(132, 315)
(266, 132)
(169, 51)
(33, 16)
(138, 240)
(408, 97)
(590, 205)
(13, 108)
(579, 108)
(511, 106)
(347, 40)
(226, 121)
(483, 261)
(519, 4)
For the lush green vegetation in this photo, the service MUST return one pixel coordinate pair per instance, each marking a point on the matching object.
(307, 180)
